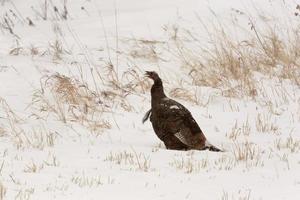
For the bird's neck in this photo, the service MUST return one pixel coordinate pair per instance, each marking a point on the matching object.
(157, 92)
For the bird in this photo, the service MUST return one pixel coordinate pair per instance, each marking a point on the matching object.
(172, 122)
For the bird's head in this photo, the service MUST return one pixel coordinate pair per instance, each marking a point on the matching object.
(157, 89)
(152, 74)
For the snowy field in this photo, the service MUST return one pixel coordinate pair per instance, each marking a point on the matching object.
(73, 95)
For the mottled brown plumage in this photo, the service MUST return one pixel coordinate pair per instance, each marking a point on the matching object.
(172, 122)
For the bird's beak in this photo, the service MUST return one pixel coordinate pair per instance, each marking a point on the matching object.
(147, 74)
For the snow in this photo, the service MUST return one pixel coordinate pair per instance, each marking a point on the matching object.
(96, 147)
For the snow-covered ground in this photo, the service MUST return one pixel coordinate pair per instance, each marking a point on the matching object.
(73, 95)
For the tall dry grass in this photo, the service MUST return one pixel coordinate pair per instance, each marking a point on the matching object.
(229, 55)
(68, 100)
(71, 100)
(2, 191)
(21, 135)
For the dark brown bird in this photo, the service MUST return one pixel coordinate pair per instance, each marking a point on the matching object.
(172, 122)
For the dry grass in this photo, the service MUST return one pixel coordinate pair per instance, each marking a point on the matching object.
(219, 67)
(132, 159)
(248, 153)
(189, 164)
(231, 61)
(142, 49)
(83, 180)
(51, 161)
(241, 195)
(39, 139)
(184, 94)
(265, 124)
(290, 143)
(56, 50)
(24, 194)
(22, 136)
(7, 24)
(2, 191)
(70, 101)
(8, 112)
(237, 130)
(2, 132)
(32, 167)
(31, 138)
(49, 10)
(225, 162)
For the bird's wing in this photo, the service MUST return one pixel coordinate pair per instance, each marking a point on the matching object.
(146, 116)
(178, 120)
(193, 140)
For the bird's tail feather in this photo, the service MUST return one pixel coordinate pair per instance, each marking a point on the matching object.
(215, 149)
(211, 147)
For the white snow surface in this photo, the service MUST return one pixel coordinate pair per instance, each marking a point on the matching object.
(127, 160)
